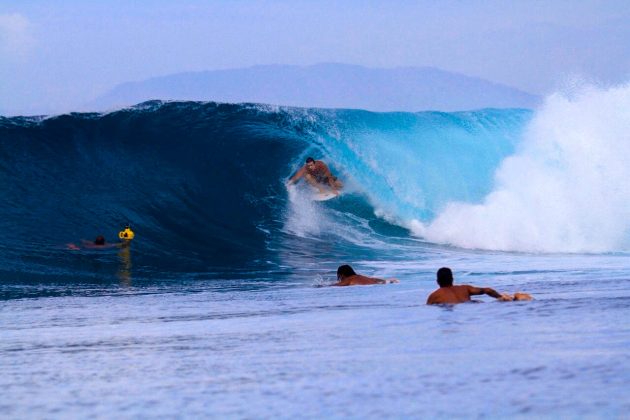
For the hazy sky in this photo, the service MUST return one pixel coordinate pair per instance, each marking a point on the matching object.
(56, 55)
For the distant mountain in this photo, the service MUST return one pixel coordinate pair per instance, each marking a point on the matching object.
(325, 86)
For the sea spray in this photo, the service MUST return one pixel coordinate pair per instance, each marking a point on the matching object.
(566, 189)
(305, 216)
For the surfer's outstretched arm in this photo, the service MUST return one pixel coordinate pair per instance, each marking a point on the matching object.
(473, 290)
(296, 177)
(484, 291)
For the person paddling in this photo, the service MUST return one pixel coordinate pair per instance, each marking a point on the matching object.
(346, 276)
(450, 294)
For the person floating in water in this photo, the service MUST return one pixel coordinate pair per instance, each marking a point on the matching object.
(318, 175)
(447, 293)
(347, 277)
(125, 235)
(98, 243)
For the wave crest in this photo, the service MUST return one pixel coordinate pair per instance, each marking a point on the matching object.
(564, 190)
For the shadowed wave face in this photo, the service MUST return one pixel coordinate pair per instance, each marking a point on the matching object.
(202, 184)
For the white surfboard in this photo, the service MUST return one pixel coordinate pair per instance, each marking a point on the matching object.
(323, 196)
(308, 193)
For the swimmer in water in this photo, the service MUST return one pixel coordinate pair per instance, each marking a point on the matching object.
(450, 294)
(98, 243)
(347, 277)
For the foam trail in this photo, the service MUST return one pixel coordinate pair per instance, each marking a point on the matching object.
(565, 190)
(305, 218)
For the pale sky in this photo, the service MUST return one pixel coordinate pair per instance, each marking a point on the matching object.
(59, 54)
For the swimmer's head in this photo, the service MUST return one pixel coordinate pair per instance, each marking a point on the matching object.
(310, 163)
(445, 277)
(345, 271)
(100, 240)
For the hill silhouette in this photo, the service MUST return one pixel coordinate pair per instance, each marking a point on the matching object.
(325, 86)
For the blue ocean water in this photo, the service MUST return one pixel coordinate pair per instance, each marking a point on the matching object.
(221, 308)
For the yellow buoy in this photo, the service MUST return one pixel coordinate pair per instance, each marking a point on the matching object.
(126, 234)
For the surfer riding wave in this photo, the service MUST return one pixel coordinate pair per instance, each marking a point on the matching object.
(317, 174)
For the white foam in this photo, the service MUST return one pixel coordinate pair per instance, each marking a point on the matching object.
(305, 217)
(567, 188)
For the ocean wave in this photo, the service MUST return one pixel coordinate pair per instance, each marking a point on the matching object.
(203, 183)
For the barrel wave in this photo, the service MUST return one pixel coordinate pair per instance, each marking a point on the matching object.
(203, 184)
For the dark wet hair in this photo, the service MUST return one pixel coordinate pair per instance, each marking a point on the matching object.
(445, 277)
(345, 271)
(309, 159)
(100, 240)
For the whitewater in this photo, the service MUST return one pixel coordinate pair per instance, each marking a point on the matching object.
(221, 307)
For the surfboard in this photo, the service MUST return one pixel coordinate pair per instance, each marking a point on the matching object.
(309, 194)
(323, 196)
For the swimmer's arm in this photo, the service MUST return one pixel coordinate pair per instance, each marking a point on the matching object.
(374, 280)
(299, 174)
(384, 281)
(370, 280)
(472, 290)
